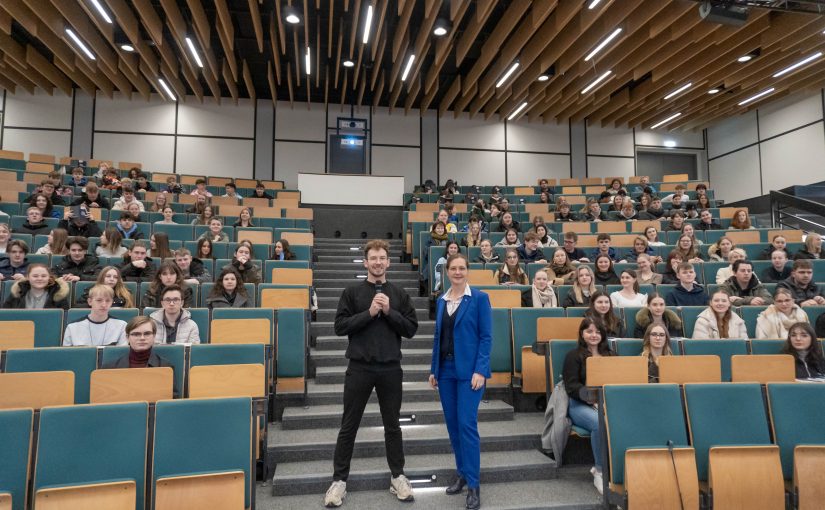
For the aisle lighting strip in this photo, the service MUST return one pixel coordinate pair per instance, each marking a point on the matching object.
(407, 68)
(596, 82)
(678, 91)
(663, 122)
(80, 44)
(603, 44)
(757, 96)
(518, 110)
(798, 64)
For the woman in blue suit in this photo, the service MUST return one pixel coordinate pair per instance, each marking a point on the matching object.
(460, 367)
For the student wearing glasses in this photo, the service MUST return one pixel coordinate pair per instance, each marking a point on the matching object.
(174, 325)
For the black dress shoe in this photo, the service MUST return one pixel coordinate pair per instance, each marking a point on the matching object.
(473, 499)
(457, 486)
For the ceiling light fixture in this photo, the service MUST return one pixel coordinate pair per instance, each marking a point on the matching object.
(799, 64)
(441, 27)
(596, 82)
(749, 56)
(757, 96)
(102, 11)
(744, 58)
(407, 68)
(678, 91)
(602, 44)
(291, 15)
(509, 72)
(166, 89)
(80, 44)
(517, 111)
(194, 52)
(308, 61)
(348, 63)
(670, 143)
(368, 24)
(543, 77)
(127, 47)
(665, 121)
(593, 4)
(715, 90)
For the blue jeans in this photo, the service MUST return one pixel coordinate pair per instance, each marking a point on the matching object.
(583, 415)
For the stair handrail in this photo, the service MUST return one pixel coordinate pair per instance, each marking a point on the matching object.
(780, 201)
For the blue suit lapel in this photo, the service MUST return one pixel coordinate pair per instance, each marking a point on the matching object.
(465, 304)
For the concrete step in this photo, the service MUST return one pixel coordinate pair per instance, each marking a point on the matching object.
(339, 343)
(336, 375)
(523, 432)
(349, 258)
(331, 303)
(337, 358)
(329, 314)
(353, 242)
(327, 328)
(569, 488)
(326, 394)
(350, 266)
(416, 413)
(336, 291)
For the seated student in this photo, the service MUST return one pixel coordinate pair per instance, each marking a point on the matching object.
(560, 271)
(688, 250)
(510, 272)
(679, 191)
(110, 244)
(801, 284)
(174, 324)
(79, 222)
(545, 239)
(629, 295)
(507, 223)
(110, 277)
(34, 225)
(98, 328)
(168, 215)
(168, 275)
(777, 243)
(159, 246)
(510, 239)
(677, 205)
(281, 251)
(137, 266)
(228, 292)
(778, 270)
(592, 341)
(583, 288)
(78, 180)
(687, 291)
(200, 189)
(48, 189)
(656, 312)
(724, 273)
(563, 213)
(451, 249)
(128, 198)
(720, 250)
(161, 201)
(670, 276)
(605, 274)
(109, 178)
(719, 321)
(655, 343)
(540, 294)
(601, 311)
(643, 186)
(744, 287)
(127, 227)
(616, 203)
(677, 220)
(802, 345)
(205, 213)
(172, 186)
(776, 320)
(530, 252)
(78, 264)
(260, 191)
(688, 230)
(42, 202)
(654, 211)
(243, 264)
(92, 198)
(706, 221)
(646, 273)
(142, 184)
(628, 211)
(245, 218)
(740, 221)
(594, 213)
(487, 255)
(641, 247)
(604, 248)
(38, 290)
(616, 187)
(812, 249)
(134, 211)
(192, 269)
(473, 237)
(575, 254)
(231, 191)
(204, 250)
(55, 243)
(15, 265)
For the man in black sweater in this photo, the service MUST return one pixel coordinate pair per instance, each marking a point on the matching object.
(374, 315)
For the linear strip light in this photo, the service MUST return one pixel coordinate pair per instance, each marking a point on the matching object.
(194, 52)
(757, 96)
(167, 89)
(603, 44)
(102, 11)
(407, 68)
(596, 82)
(80, 44)
(678, 91)
(508, 73)
(368, 25)
(663, 122)
(308, 61)
(798, 64)
(593, 4)
(517, 111)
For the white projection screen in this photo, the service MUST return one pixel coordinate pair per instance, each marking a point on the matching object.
(336, 189)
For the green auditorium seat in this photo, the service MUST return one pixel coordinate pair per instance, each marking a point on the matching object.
(233, 335)
(558, 351)
(179, 232)
(722, 348)
(689, 315)
(524, 329)
(576, 311)
(80, 360)
(291, 349)
(665, 289)
(501, 351)
(97, 446)
(48, 324)
(175, 354)
(211, 462)
(628, 346)
(769, 346)
(15, 450)
(199, 315)
(749, 315)
(227, 354)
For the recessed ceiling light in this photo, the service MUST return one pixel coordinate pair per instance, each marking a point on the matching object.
(348, 63)
(744, 58)
(799, 64)
(665, 121)
(596, 82)
(678, 91)
(757, 96)
(714, 90)
(602, 44)
(439, 31)
(510, 71)
(291, 15)
(544, 77)
(517, 111)
(441, 27)
(670, 143)
(127, 47)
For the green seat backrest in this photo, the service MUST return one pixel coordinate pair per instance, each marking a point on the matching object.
(797, 418)
(15, 449)
(630, 318)
(689, 316)
(80, 360)
(217, 438)
(269, 265)
(724, 415)
(173, 353)
(48, 324)
(767, 346)
(501, 353)
(722, 348)
(628, 346)
(81, 445)
(179, 232)
(227, 354)
(642, 416)
(558, 351)
(124, 314)
(291, 342)
(524, 328)
(749, 314)
(576, 311)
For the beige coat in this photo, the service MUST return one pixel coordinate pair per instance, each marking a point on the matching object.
(707, 328)
(772, 323)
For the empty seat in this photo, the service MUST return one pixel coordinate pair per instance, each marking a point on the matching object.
(110, 386)
(48, 325)
(690, 369)
(291, 350)
(722, 348)
(36, 389)
(501, 351)
(15, 451)
(504, 298)
(80, 360)
(242, 325)
(279, 296)
(764, 368)
(527, 364)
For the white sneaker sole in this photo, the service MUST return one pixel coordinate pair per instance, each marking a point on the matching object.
(411, 497)
(332, 504)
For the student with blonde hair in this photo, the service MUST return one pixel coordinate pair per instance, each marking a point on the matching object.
(98, 328)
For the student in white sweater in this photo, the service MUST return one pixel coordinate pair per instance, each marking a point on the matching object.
(97, 328)
(629, 295)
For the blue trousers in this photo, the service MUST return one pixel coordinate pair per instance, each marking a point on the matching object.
(583, 415)
(460, 404)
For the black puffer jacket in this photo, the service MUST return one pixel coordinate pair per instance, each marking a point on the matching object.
(86, 270)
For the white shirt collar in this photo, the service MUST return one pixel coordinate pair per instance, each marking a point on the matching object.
(467, 292)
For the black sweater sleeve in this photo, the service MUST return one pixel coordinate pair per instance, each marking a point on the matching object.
(575, 375)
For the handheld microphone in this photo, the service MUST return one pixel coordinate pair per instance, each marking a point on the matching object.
(379, 289)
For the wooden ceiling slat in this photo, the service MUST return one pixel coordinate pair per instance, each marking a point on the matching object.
(338, 52)
(192, 79)
(496, 102)
(281, 31)
(330, 21)
(13, 50)
(247, 79)
(427, 100)
(21, 14)
(317, 52)
(289, 83)
(396, 67)
(480, 100)
(361, 88)
(49, 29)
(137, 80)
(379, 28)
(226, 26)
(200, 21)
(32, 74)
(80, 79)
(213, 85)
(400, 36)
(272, 88)
(394, 97)
(18, 78)
(449, 96)
(5, 25)
(444, 45)
(354, 28)
(131, 27)
(306, 21)
(412, 94)
(229, 80)
(276, 59)
(483, 10)
(150, 19)
(7, 84)
(255, 13)
(379, 90)
(47, 69)
(462, 102)
(298, 59)
(376, 69)
(422, 40)
(228, 49)
(97, 76)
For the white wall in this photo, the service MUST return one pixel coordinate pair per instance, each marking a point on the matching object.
(37, 123)
(775, 146)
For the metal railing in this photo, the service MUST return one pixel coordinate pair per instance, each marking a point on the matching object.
(789, 211)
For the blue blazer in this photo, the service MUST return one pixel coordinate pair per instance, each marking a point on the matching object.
(472, 335)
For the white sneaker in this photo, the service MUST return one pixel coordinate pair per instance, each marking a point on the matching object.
(597, 480)
(335, 494)
(400, 486)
